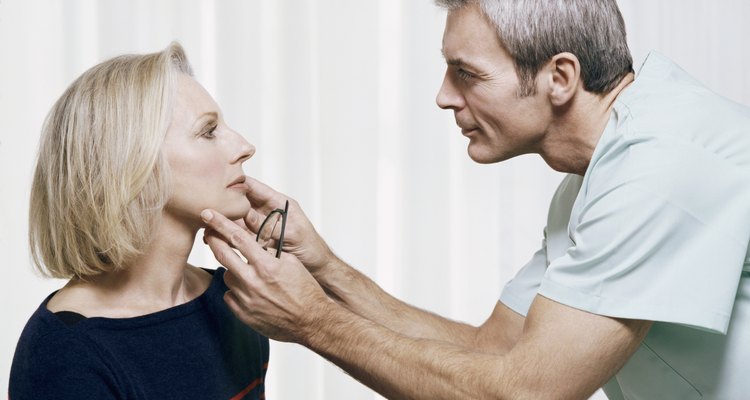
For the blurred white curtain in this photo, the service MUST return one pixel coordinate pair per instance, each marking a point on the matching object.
(338, 97)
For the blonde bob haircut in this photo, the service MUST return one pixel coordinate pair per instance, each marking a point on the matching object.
(101, 181)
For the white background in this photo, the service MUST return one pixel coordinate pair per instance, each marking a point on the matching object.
(338, 97)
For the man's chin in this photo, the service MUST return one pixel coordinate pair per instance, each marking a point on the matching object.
(482, 155)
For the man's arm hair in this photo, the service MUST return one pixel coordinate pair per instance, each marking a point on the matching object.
(360, 295)
(563, 353)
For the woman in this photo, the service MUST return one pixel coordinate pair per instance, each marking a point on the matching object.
(130, 154)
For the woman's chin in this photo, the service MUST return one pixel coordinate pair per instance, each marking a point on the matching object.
(235, 212)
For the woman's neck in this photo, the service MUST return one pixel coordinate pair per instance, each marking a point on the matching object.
(159, 279)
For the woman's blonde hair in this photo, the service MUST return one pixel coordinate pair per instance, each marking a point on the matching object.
(100, 181)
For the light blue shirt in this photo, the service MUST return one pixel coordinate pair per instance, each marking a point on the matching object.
(658, 229)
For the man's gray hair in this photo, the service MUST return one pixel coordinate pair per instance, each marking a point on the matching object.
(533, 31)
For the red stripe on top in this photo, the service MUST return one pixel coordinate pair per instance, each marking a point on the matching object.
(247, 390)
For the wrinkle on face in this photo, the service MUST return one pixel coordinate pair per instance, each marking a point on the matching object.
(488, 100)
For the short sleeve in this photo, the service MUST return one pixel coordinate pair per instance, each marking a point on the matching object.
(661, 234)
(521, 290)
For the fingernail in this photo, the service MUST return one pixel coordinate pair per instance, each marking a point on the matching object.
(206, 215)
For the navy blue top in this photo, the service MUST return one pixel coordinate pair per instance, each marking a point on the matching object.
(197, 350)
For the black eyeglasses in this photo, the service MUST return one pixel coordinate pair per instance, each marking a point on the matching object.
(270, 226)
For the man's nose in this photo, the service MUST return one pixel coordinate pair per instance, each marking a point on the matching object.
(449, 97)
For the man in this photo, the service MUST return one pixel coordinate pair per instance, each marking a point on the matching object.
(642, 283)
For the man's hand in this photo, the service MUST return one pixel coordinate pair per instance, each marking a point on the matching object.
(277, 297)
(300, 239)
(561, 353)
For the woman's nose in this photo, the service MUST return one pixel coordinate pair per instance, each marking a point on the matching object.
(245, 149)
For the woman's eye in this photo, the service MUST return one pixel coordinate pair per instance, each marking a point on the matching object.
(209, 133)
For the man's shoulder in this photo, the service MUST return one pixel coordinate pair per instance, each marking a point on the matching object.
(666, 101)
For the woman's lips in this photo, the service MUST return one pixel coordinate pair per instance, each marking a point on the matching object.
(238, 183)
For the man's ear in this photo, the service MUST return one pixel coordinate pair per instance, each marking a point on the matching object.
(564, 74)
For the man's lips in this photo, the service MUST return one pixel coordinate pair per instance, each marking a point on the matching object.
(466, 127)
(467, 131)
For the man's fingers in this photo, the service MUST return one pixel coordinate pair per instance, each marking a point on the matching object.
(233, 236)
(261, 196)
(270, 244)
(253, 219)
(230, 297)
(241, 223)
(227, 257)
(271, 250)
(231, 280)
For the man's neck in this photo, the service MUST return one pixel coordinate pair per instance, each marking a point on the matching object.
(570, 142)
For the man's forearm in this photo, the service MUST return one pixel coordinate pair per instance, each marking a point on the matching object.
(399, 366)
(361, 295)
(565, 353)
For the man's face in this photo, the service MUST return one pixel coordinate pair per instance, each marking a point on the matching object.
(481, 87)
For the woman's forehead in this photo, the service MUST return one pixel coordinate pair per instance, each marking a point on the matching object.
(192, 99)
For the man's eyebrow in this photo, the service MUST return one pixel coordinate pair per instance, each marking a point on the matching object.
(456, 61)
(450, 61)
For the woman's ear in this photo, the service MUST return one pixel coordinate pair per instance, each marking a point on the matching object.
(564, 74)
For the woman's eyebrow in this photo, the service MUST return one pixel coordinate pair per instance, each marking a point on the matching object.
(209, 115)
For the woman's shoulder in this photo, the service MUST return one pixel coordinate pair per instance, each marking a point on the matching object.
(46, 336)
(69, 298)
(53, 360)
(96, 298)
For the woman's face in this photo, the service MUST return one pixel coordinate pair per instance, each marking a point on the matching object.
(205, 157)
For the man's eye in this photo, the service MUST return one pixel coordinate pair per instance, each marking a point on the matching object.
(462, 74)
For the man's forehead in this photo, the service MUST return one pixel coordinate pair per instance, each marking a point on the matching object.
(467, 16)
(468, 37)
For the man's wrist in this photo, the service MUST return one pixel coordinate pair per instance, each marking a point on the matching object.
(328, 268)
(319, 320)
